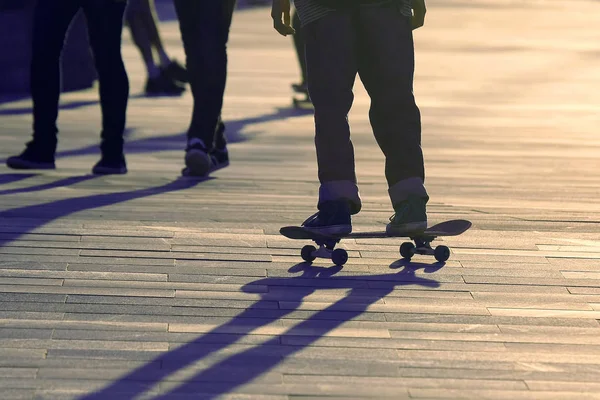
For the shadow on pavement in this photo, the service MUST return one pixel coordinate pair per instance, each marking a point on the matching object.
(72, 105)
(42, 214)
(170, 142)
(243, 367)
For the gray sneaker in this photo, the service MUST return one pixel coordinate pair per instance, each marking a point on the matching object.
(410, 217)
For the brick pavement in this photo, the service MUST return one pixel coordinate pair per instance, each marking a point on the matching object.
(149, 286)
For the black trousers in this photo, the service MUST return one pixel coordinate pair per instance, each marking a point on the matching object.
(105, 22)
(204, 26)
(375, 42)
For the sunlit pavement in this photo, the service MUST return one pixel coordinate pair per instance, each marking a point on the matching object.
(152, 286)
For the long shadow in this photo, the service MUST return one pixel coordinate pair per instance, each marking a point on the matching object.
(72, 105)
(242, 368)
(72, 180)
(42, 214)
(171, 142)
(10, 178)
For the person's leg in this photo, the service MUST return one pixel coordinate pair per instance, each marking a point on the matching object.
(386, 67)
(105, 25)
(137, 15)
(51, 21)
(331, 67)
(300, 52)
(205, 31)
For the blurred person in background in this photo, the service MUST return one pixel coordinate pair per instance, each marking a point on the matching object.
(165, 75)
(204, 26)
(50, 25)
(371, 38)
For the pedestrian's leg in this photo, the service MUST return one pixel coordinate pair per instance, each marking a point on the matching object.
(331, 67)
(105, 25)
(138, 15)
(172, 68)
(51, 21)
(140, 35)
(299, 45)
(386, 67)
(205, 32)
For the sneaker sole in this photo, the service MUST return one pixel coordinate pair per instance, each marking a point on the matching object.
(109, 171)
(21, 164)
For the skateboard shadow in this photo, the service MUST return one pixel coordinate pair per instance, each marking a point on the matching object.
(283, 296)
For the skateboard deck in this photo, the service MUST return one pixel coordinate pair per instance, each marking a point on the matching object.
(301, 102)
(422, 241)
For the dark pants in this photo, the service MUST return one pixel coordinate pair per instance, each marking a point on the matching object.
(204, 28)
(375, 42)
(105, 22)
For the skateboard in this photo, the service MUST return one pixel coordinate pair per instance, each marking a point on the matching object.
(303, 103)
(420, 243)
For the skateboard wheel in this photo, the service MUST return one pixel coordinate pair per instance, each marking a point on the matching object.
(307, 253)
(407, 250)
(339, 257)
(441, 253)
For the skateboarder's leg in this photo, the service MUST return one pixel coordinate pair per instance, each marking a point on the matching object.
(331, 66)
(386, 67)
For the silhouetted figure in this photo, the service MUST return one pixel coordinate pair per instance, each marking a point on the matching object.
(205, 31)
(374, 39)
(105, 23)
(167, 76)
(299, 46)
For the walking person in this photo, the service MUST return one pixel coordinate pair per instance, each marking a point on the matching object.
(204, 29)
(374, 39)
(51, 22)
(165, 75)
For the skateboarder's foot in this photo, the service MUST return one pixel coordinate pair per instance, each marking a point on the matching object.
(410, 217)
(200, 162)
(300, 87)
(35, 156)
(333, 219)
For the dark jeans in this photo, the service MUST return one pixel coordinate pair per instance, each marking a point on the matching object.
(204, 26)
(105, 22)
(376, 42)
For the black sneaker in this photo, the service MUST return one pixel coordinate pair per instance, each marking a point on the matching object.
(410, 217)
(200, 162)
(333, 219)
(110, 165)
(163, 85)
(34, 156)
(177, 72)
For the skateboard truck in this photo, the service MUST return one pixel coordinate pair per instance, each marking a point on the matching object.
(326, 250)
(422, 246)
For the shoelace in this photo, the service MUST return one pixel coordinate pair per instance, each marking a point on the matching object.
(402, 211)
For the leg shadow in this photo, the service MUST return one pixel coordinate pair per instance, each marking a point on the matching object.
(242, 368)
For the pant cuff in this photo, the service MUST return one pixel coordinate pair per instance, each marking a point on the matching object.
(402, 189)
(341, 190)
